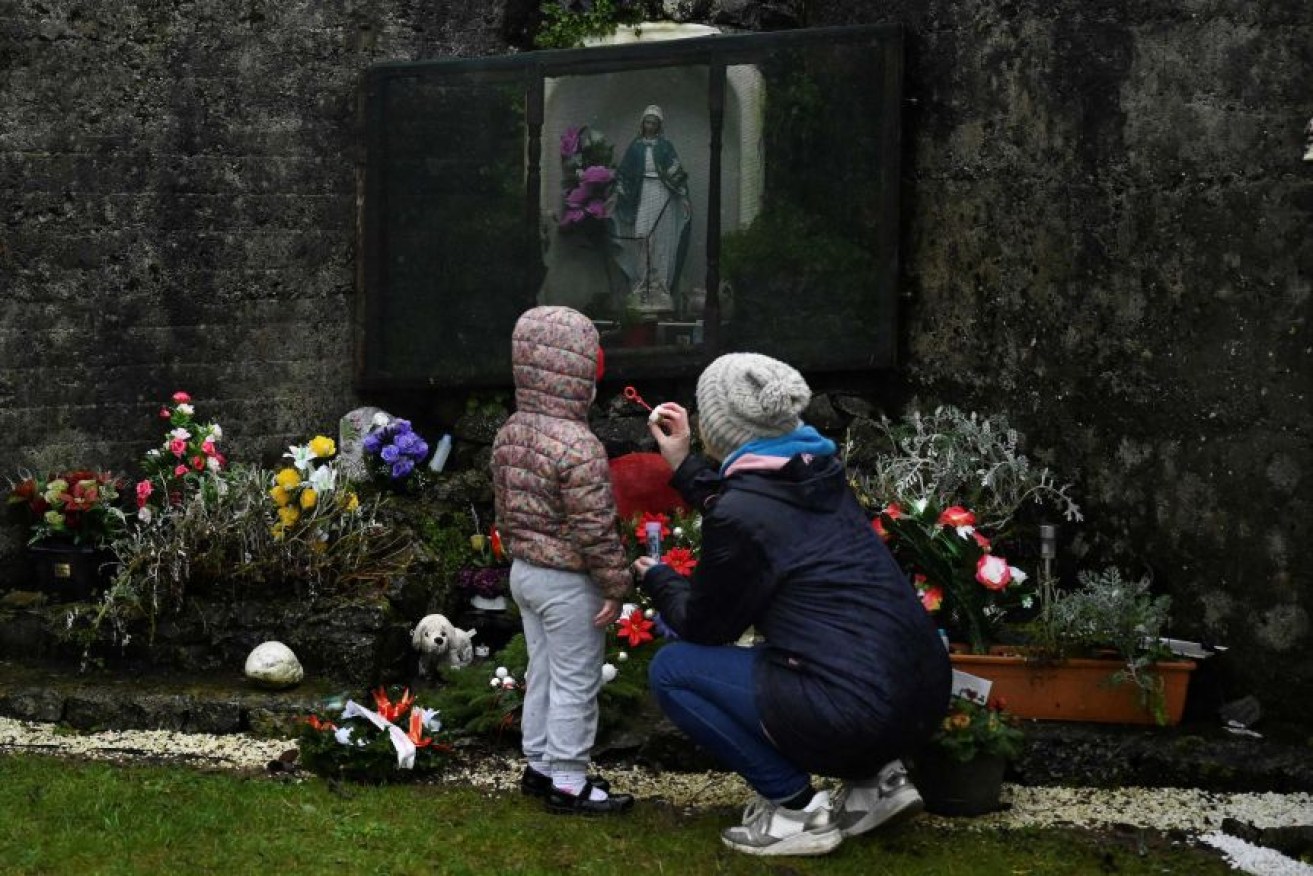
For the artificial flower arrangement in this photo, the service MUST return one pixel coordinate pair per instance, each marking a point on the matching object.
(76, 507)
(398, 739)
(954, 567)
(587, 179)
(489, 573)
(178, 467)
(976, 728)
(948, 491)
(394, 452)
(306, 493)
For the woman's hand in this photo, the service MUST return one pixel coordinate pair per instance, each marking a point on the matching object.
(640, 567)
(609, 612)
(668, 424)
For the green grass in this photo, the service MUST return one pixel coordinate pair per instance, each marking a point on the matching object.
(61, 816)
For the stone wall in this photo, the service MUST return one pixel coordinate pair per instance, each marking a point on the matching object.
(1105, 238)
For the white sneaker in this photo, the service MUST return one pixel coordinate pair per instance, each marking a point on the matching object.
(770, 829)
(889, 797)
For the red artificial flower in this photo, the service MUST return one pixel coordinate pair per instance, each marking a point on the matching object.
(389, 710)
(181, 397)
(323, 726)
(980, 539)
(680, 559)
(198, 462)
(494, 539)
(416, 733)
(878, 525)
(640, 529)
(165, 413)
(957, 516)
(893, 511)
(932, 595)
(144, 489)
(634, 627)
(993, 572)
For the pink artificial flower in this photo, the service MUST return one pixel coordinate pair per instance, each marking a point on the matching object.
(993, 572)
(597, 175)
(144, 489)
(570, 142)
(178, 447)
(179, 471)
(181, 397)
(165, 413)
(207, 447)
(198, 462)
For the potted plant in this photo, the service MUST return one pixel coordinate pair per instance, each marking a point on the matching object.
(73, 518)
(960, 772)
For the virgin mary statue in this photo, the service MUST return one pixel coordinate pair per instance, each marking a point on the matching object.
(652, 215)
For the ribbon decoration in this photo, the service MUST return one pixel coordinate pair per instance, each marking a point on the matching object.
(400, 741)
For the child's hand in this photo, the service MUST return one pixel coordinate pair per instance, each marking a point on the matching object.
(640, 567)
(610, 611)
(668, 424)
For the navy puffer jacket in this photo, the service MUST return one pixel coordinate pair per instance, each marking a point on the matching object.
(853, 673)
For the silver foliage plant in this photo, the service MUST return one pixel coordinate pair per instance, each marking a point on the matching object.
(952, 458)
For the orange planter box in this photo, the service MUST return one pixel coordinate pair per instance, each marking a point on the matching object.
(1075, 689)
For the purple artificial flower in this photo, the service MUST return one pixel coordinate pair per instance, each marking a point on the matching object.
(402, 467)
(406, 441)
(570, 142)
(401, 427)
(597, 175)
(577, 197)
(420, 450)
(390, 454)
(372, 443)
(596, 208)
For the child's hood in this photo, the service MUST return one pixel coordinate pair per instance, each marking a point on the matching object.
(554, 360)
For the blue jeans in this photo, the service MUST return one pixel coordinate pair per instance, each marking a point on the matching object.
(708, 692)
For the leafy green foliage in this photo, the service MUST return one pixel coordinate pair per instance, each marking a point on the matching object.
(567, 24)
(974, 728)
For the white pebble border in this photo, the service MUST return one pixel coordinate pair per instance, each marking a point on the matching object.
(1197, 813)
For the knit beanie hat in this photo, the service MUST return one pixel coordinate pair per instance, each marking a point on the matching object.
(746, 396)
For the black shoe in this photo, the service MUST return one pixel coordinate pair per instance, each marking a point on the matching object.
(561, 803)
(535, 784)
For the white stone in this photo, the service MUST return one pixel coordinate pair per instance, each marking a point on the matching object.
(351, 430)
(273, 665)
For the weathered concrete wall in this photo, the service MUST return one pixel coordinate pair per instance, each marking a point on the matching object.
(1105, 238)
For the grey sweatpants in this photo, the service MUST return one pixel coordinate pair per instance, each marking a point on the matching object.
(559, 723)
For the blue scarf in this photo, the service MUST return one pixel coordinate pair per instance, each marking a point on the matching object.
(804, 439)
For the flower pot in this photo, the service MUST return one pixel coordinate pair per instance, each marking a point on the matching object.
(1076, 689)
(489, 603)
(951, 787)
(71, 573)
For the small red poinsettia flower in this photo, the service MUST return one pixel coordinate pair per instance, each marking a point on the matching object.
(680, 559)
(957, 516)
(640, 528)
(993, 572)
(634, 627)
(878, 525)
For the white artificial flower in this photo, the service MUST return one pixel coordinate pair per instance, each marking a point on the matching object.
(144, 514)
(650, 613)
(212, 463)
(508, 683)
(677, 532)
(381, 419)
(429, 718)
(502, 672)
(216, 432)
(964, 532)
(919, 505)
(323, 479)
(1018, 576)
(180, 433)
(301, 456)
(1027, 602)
(187, 409)
(609, 673)
(621, 657)
(343, 735)
(153, 453)
(494, 682)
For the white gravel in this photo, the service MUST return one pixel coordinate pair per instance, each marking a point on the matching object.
(1194, 812)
